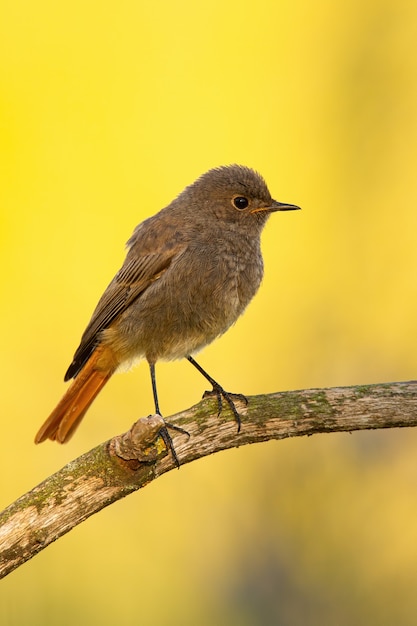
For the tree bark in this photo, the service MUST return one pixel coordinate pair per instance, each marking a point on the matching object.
(128, 462)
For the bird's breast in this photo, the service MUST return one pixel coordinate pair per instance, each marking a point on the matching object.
(223, 275)
(202, 293)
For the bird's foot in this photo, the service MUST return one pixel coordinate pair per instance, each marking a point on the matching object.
(230, 398)
(167, 439)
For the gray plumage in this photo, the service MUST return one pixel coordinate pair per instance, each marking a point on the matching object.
(190, 272)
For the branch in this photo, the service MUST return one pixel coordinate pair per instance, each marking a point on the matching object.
(128, 462)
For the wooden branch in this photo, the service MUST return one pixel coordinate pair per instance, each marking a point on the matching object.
(128, 462)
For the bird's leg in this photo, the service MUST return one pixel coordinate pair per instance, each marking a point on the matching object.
(220, 393)
(166, 437)
(154, 389)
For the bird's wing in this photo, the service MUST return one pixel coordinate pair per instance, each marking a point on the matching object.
(136, 274)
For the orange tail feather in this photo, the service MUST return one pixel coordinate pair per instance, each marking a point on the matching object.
(63, 421)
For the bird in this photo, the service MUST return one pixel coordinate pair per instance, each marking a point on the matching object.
(190, 271)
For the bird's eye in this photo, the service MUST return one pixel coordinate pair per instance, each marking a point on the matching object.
(240, 202)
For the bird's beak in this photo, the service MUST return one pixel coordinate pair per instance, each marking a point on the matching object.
(276, 206)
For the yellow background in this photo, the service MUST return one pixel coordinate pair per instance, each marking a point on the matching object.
(107, 110)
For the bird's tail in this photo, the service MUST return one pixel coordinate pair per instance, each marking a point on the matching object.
(63, 421)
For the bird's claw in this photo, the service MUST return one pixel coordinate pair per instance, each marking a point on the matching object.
(167, 439)
(220, 393)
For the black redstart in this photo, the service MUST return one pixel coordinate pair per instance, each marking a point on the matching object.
(190, 271)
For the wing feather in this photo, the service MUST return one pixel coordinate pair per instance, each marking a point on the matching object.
(136, 274)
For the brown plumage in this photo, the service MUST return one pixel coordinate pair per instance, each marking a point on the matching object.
(189, 273)
(69, 412)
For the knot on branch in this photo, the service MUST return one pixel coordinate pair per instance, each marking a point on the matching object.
(140, 443)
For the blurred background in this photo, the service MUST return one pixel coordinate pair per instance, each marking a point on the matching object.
(107, 110)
